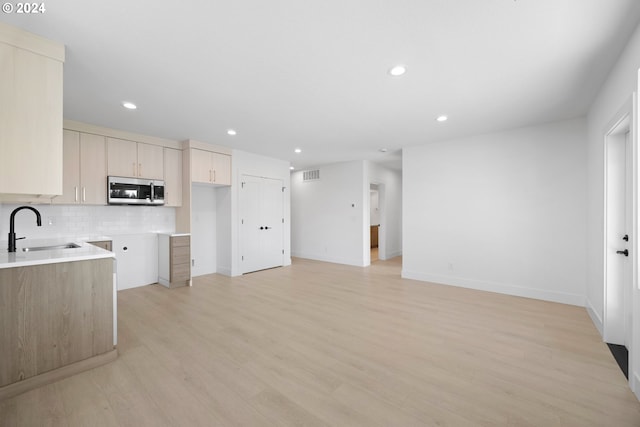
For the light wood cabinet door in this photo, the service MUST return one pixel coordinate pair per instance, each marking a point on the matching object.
(122, 157)
(221, 169)
(71, 170)
(85, 169)
(172, 177)
(31, 147)
(150, 161)
(93, 169)
(201, 166)
(210, 168)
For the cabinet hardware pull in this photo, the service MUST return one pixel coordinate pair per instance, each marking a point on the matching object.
(214, 175)
(209, 175)
(84, 194)
(139, 169)
(76, 191)
(134, 169)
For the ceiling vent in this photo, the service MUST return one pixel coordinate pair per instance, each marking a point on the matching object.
(313, 175)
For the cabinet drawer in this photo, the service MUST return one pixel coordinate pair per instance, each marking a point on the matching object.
(180, 241)
(180, 272)
(180, 251)
(180, 259)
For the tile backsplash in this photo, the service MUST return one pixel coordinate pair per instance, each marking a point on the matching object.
(87, 221)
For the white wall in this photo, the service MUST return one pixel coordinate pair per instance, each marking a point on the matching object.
(203, 230)
(80, 222)
(503, 212)
(617, 90)
(330, 217)
(223, 230)
(256, 165)
(389, 183)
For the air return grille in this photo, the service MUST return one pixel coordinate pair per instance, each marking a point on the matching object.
(313, 175)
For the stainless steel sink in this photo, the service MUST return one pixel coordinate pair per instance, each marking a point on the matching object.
(52, 247)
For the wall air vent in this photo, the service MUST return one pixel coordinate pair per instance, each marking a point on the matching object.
(313, 175)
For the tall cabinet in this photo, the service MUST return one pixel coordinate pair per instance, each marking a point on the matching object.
(30, 113)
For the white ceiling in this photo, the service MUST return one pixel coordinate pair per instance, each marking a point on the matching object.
(313, 74)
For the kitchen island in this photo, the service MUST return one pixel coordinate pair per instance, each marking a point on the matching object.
(57, 313)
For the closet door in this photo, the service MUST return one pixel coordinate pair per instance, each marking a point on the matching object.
(261, 228)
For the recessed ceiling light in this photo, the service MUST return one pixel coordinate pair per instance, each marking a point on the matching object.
(398, 70)
(297, 150)
(442, 118)
(291, 168)
(129, 105)
(383, 150)
(231, 132)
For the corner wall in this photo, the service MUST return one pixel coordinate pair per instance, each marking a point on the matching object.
(330, 217)
(617, 90)
(502, 212)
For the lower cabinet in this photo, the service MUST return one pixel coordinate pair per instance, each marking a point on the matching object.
(174, 260)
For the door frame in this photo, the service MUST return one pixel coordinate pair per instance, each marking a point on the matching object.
(616, 329)
(382, 230)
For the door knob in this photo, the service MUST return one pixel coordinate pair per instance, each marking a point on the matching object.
(626, 238)
(268, 228)
(261, 228)
(625, 252)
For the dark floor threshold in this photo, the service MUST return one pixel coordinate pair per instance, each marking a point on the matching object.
(621, 354)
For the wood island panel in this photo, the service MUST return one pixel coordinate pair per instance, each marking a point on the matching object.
(54, 315)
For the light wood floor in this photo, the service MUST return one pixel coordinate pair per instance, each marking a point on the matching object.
(324, 344)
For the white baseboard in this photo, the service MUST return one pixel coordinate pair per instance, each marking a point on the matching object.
(561, 297)
(393, 254)
(224, 271)
(634, 384)
(595, 318)
(327, 258)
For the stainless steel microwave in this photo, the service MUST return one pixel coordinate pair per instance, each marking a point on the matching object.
(135, 191)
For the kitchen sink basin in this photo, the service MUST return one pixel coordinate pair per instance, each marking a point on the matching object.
(51, 247)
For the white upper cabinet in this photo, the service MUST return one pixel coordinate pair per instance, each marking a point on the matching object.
(30, 114)
(134, 159)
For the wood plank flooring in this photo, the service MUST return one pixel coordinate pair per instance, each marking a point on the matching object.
(322, 344)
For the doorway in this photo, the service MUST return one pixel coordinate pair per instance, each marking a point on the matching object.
(618, 233)
(261, 223)
(374, 221)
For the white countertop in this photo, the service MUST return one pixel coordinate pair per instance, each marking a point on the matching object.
(86, 251)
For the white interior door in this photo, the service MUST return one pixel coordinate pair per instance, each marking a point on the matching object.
(619, 274)
(261, 228)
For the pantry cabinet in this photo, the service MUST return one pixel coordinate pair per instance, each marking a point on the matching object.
(85, 175)
(210, 168)
(134, 159)
(172, 177)
(30, 114)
